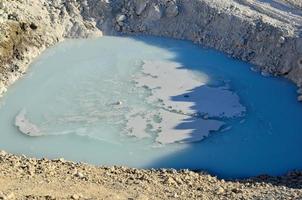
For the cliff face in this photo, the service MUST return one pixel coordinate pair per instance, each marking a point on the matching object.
(267, 35)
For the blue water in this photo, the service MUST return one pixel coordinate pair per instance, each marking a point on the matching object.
(268, 140)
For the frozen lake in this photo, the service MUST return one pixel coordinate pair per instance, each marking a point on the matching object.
(152, 102)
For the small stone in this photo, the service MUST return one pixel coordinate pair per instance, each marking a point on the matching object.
(33, 26)
(3, 153)
(31, 173)
(118, 103)
(172, 10)
(120, 18)
(266, 74)
(2, 196)
(300, 98)
(175, 195)
(140, 6)
(13, 16)
(50, 197)
(79, 174)
(281, 40)
(9, 196)
(76, 196)
(299, 91)
(1, 4)
(220, 190)
(236, 190)
(155, 13)
(169, 181)
(206, 116)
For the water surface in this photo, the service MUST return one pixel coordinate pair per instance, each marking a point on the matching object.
(90, 77)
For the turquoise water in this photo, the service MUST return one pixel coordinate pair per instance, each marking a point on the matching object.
(70, 93)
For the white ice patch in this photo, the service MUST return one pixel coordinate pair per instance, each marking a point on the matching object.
(167, 80)
(182, 128)
(25, 126)
(137, 127)
(185, 104)
(182, 90)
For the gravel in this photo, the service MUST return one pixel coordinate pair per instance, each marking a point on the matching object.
(30, 178)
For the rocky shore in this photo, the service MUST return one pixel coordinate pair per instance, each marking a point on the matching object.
(267, 35)
(29, 178)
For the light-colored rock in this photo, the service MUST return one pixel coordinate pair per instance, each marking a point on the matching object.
(120, 18)
(1, 4)
(220, 190)
(282, 40)
(3, 153)
(155, 13)
(140, 6)
(172, 10)
(79, 175)
(76, 196)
